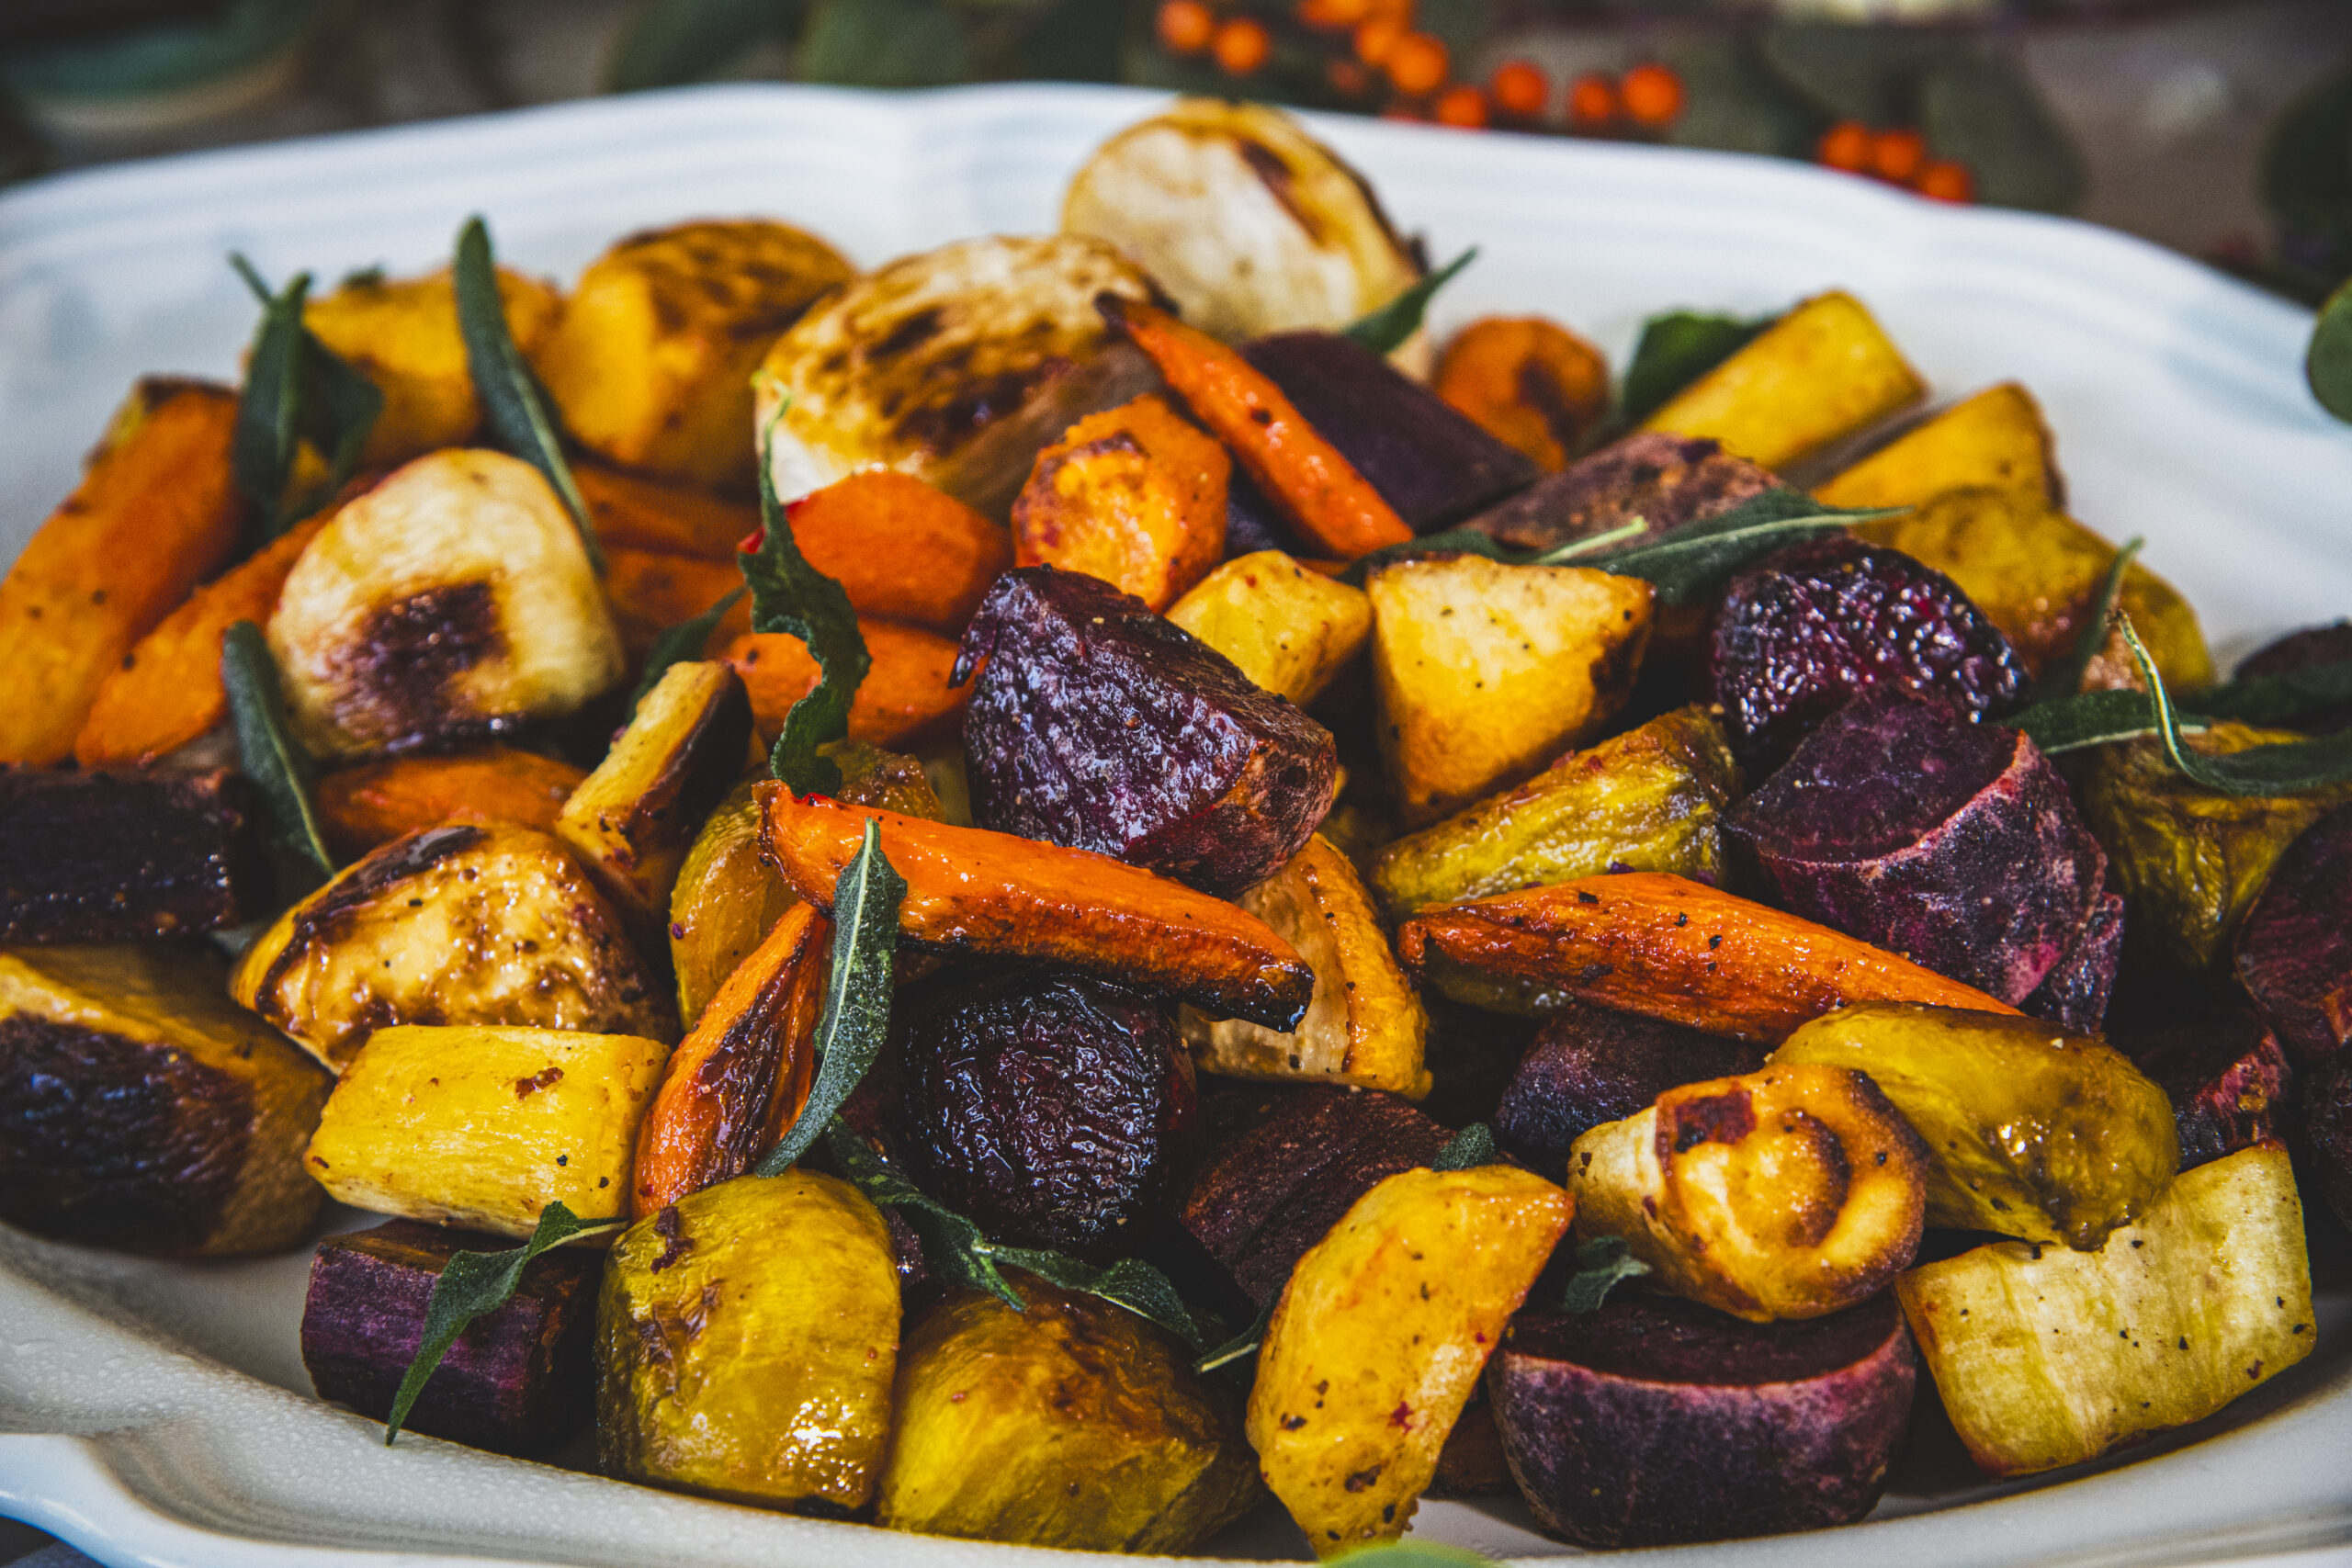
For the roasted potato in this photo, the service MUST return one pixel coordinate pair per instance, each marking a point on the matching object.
(481, 1128)
(140, 1109)
(1483, 671)
(1996, 440)
(454, 600)
(747, 1337)
(463, 924)
(374, 803)
(1072, 1424)
(1134, 495)
(1289, 629)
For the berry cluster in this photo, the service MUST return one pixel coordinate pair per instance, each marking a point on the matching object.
(1897, 155)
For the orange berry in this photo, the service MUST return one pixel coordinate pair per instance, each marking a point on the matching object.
(1944, 180)
(1417, 65)
(1521, 88)
(1653, 95)
(1845, 145)
(1347, 78)
(1377, 39)
(1898, 155)
(1186, 26)
(1463, 107)
(1592, 101)
(1333, 15)
(1242, 46)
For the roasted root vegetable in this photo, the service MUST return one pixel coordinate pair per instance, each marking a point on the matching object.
(908, 696)
(633, 513)
(1379, 1338)
(1286, 629)
(651, 361)
(1651, 799)
(2046, 1357)
(1996, 440)
(1665, 947)
(374, 803)
(2325, 1108)
(652, 591)
(140, 1109)
(2227, 1077)
(720, 1372)
(1070, 1424)
(901, 549)
(156, 512)
(1483, 671)
(2294, 948)
(1588, 1066)
(1656, 480)
(452, 601)
(516, 1381)
(1821, 373)
(463, 924)
(116, 856)
(482, 1128)
(2031, 1133)
(1794, 1191)
(1527, 381)
(1133, 495)
(1366, 1027)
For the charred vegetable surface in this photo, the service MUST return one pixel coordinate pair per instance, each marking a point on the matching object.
(111, 856)
(1589, 1065)
(2295, 951)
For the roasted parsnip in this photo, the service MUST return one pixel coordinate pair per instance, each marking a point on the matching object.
(1289, 629)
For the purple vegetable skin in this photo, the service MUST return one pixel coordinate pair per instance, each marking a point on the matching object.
(2295, 951)
(1589, 1065)
(2300, 650)
(2076, 993)
(2327, 1131)
(2226, 1077)
(1662, 480)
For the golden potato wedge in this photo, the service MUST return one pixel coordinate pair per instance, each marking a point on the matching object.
(1996, 440)
(1074, 1424)
(1289, 629)
(651, 361)
(141, 1110)
(1134, 495)
(1366, 1026)
(1380, 1336)
(1484, 671)
(1821, 373)
(481, 1128)
(452, 601)
(2046, 1357)
(401, 333)
(462, 924)
(746, 1341)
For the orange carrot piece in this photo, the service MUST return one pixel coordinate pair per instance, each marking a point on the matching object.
(376, 802)
(652, 591)
(1134, 495)
(1528, 382)
(646, 514)
(974, 891)
(901, 549)
(1668, 948)
(904, 699)
(1332, 506)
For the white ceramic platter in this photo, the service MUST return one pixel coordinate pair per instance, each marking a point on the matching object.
(157, 1414)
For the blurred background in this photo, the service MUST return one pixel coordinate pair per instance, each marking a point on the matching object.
(2223, 129)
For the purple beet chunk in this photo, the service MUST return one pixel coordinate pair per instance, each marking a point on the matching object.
(2294, 952)
(2327, 1131)
(2226, 1077)
(1589, 1065)
(2074, 993)
(1662, 480)
(2300, 650)
(1284, 1164)
(1657, 1420)
(517, 1382)
(1254, 524)
(128, 853)
(1954, 843)
(1812, 626)
(1429, 461)
(1098, 725)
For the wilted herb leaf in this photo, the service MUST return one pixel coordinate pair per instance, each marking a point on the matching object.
(1385, 330)
(681, 644)
(1471, 1147)
(1689, 564)
(1603, 1263)
(791, 596)
(277, 764)
(1676, 349)
(1242, 1345)
(2088, 718)
(296, 389)
(2260, 772)
(2279, 699)
(1130, 1283)
(2065, 678)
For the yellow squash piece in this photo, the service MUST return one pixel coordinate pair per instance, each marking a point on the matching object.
(1288, 629)
(483, 1128)
(1381, 1334)
(1996, 440)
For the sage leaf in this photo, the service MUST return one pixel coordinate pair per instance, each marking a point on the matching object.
(1130, 1283)
(471, 1284)
(513, 404)
(1471, 1147)
(1242, 1345)
(1676, 349)
(857, 994)
(681, 644)
(2088, 718)
(1689, 564)
(1385, 330)
(789, 595)
(296, 389)
(2065, 678)
(2295, 767)
(2279, 699)
(1603, 1263)
(2328, 364)
(271, 758)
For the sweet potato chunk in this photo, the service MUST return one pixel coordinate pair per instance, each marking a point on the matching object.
(116, 856)
(376, 802)
(1996, 440)
(652, 591)
(633, 513)
(1133, 495)
(1528, 381)
(905, 699)
(1288, 629)
(156, 512)
(901, 549)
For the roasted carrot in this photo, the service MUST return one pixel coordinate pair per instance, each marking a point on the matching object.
(735, 1084)
(156, 512)
(1528, 382)
(1333, 506)
(901, 549)
(1133, 495)
(652, 591)
(646, 514)
(904, 699)
(376, 802)
(1665, 947)
(974, 891)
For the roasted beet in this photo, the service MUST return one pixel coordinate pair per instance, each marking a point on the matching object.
(2327, 1118)
(2300, 650)
(2075, 993)
(119, 855)
(517, 1381)
(1287, 1163)
(2226, 1077)
(1656, 1420)
(1814, 626)
(1099, 726)
(1053, 1110)
(2295, 951)
(1590, 1064)
(1662, 480)
(1954, 843)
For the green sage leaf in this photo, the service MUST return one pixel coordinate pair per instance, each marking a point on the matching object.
(271, 758)
(1603, 1263)
(1987, 115)
(470, 1285)
(1385, 330)
(1471, 1147)
(681, 644)
(2280, 699)
(789, 595)
(296, 389)
(2065, 678)
(1130, 1283)
(1676, 349)
(2328, 364)
(1243, 1345)
(2259, 771)
(2086, 719)
(514, 406)
(1689, 564)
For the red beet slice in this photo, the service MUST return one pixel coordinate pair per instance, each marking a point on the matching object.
(2300, 650)
(124, 855)
(2327, 1131)
(1656, 1420)
(1954, 843)
(2074, 993)
(517, 1382)
(2226, 1077)
(1097, 724)
(2295, 949)
(1590, 1064)
(1662, 480)
(1814, 626)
